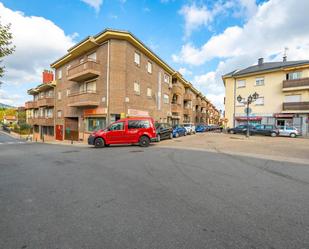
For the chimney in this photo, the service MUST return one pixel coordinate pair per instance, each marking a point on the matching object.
(48, 76)
(284, 58)
(260, 61)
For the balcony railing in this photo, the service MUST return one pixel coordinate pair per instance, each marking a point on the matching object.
(298, 83)
(296, 106)
(31, 105)
(84, 71)
(45, 121)
(176, 108)
(83, 98)
(187, 96)
(45, 101)
(187, 111)
(177, 89)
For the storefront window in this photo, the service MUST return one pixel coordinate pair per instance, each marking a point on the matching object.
(94, 124)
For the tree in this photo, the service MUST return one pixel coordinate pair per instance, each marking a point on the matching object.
(6, 47)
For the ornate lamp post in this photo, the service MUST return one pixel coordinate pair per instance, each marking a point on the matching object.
(250, 99)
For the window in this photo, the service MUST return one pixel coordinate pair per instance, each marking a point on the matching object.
(68, 68)
(137, 58)
(166, 78)
(91, 86)
(35, 97)
(294, 76)
(49, 113)
(116, 127)
(259, 81)
(137, 124)
(292, 98)
(241, 83)
(94, 124)
(166, 99)
(239, 104)
(68, 92)
(92, 57)
(259, 101)
(149, 92)
(59, 114)
(59, 95)
(59, 74)
(137, 88)
(149, 67)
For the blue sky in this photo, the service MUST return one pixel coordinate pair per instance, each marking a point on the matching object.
(202, 39)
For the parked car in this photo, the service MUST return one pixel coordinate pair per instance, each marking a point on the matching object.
(179, 130)
(266, 130)
(200, 128)
(289, 131)
(240, 129)
(190, 128)
(125, 131)
(164, 131)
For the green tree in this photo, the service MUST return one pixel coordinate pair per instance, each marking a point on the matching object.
(6, 47)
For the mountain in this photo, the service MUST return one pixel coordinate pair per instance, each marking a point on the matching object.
(4, 106)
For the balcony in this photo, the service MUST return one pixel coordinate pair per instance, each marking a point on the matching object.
(187, 111)
(177, 89)
(46, 101)
(188, 96)
(298, 84)
(84, 71)
(41, 121)
(31, 105)
(176, 108)
(296, 106)
(83, 98)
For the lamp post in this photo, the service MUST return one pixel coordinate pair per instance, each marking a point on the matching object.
(250, 99)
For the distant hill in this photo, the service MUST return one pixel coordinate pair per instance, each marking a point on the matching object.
(4, 106)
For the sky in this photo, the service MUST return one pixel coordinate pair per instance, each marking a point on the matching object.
(202, 39)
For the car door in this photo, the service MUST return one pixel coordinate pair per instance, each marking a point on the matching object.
(259, 129)
(116, 133)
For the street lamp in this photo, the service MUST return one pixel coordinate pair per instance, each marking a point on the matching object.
(250, 99)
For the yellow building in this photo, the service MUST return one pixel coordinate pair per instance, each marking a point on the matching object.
(283, 89)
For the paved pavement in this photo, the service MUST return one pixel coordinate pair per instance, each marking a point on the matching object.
(6, 139)
(65, 197)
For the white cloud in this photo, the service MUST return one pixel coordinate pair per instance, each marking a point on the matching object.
(195, 17)
(9, 99)
(96, 4)
(184, 71)
(38, 43)
(274, 25)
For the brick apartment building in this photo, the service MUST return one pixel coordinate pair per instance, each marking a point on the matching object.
(107, 77)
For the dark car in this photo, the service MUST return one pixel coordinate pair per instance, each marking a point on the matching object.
(179, 130)
(164, 131)
(240, 129)
(266, 130)
(200, 128)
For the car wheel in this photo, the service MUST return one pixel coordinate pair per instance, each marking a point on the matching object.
(99, 143)
(293, 135)
(171, 136)
(158, 138)
(232, 132)
(144, 141)
(273, 134)
(177, 134)
(186, 134)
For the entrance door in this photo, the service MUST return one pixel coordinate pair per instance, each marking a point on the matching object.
(71, 129)
(59, 132)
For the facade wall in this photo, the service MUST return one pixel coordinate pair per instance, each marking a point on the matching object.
(272, 91)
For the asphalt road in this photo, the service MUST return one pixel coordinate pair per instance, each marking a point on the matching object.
(6, 139)
(128, 197)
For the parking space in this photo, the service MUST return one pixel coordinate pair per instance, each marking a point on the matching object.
(276, 148)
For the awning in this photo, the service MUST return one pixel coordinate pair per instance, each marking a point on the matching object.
(250, 118)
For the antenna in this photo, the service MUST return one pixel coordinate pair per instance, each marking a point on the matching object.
(285, 54)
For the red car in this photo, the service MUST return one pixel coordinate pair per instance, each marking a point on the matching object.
(125, 131)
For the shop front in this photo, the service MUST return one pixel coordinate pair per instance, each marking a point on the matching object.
(93, 120)
(242, 120)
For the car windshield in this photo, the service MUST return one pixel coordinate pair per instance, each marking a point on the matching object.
(186, 125)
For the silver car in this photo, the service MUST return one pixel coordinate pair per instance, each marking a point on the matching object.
(289, 131)
(190, 128)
